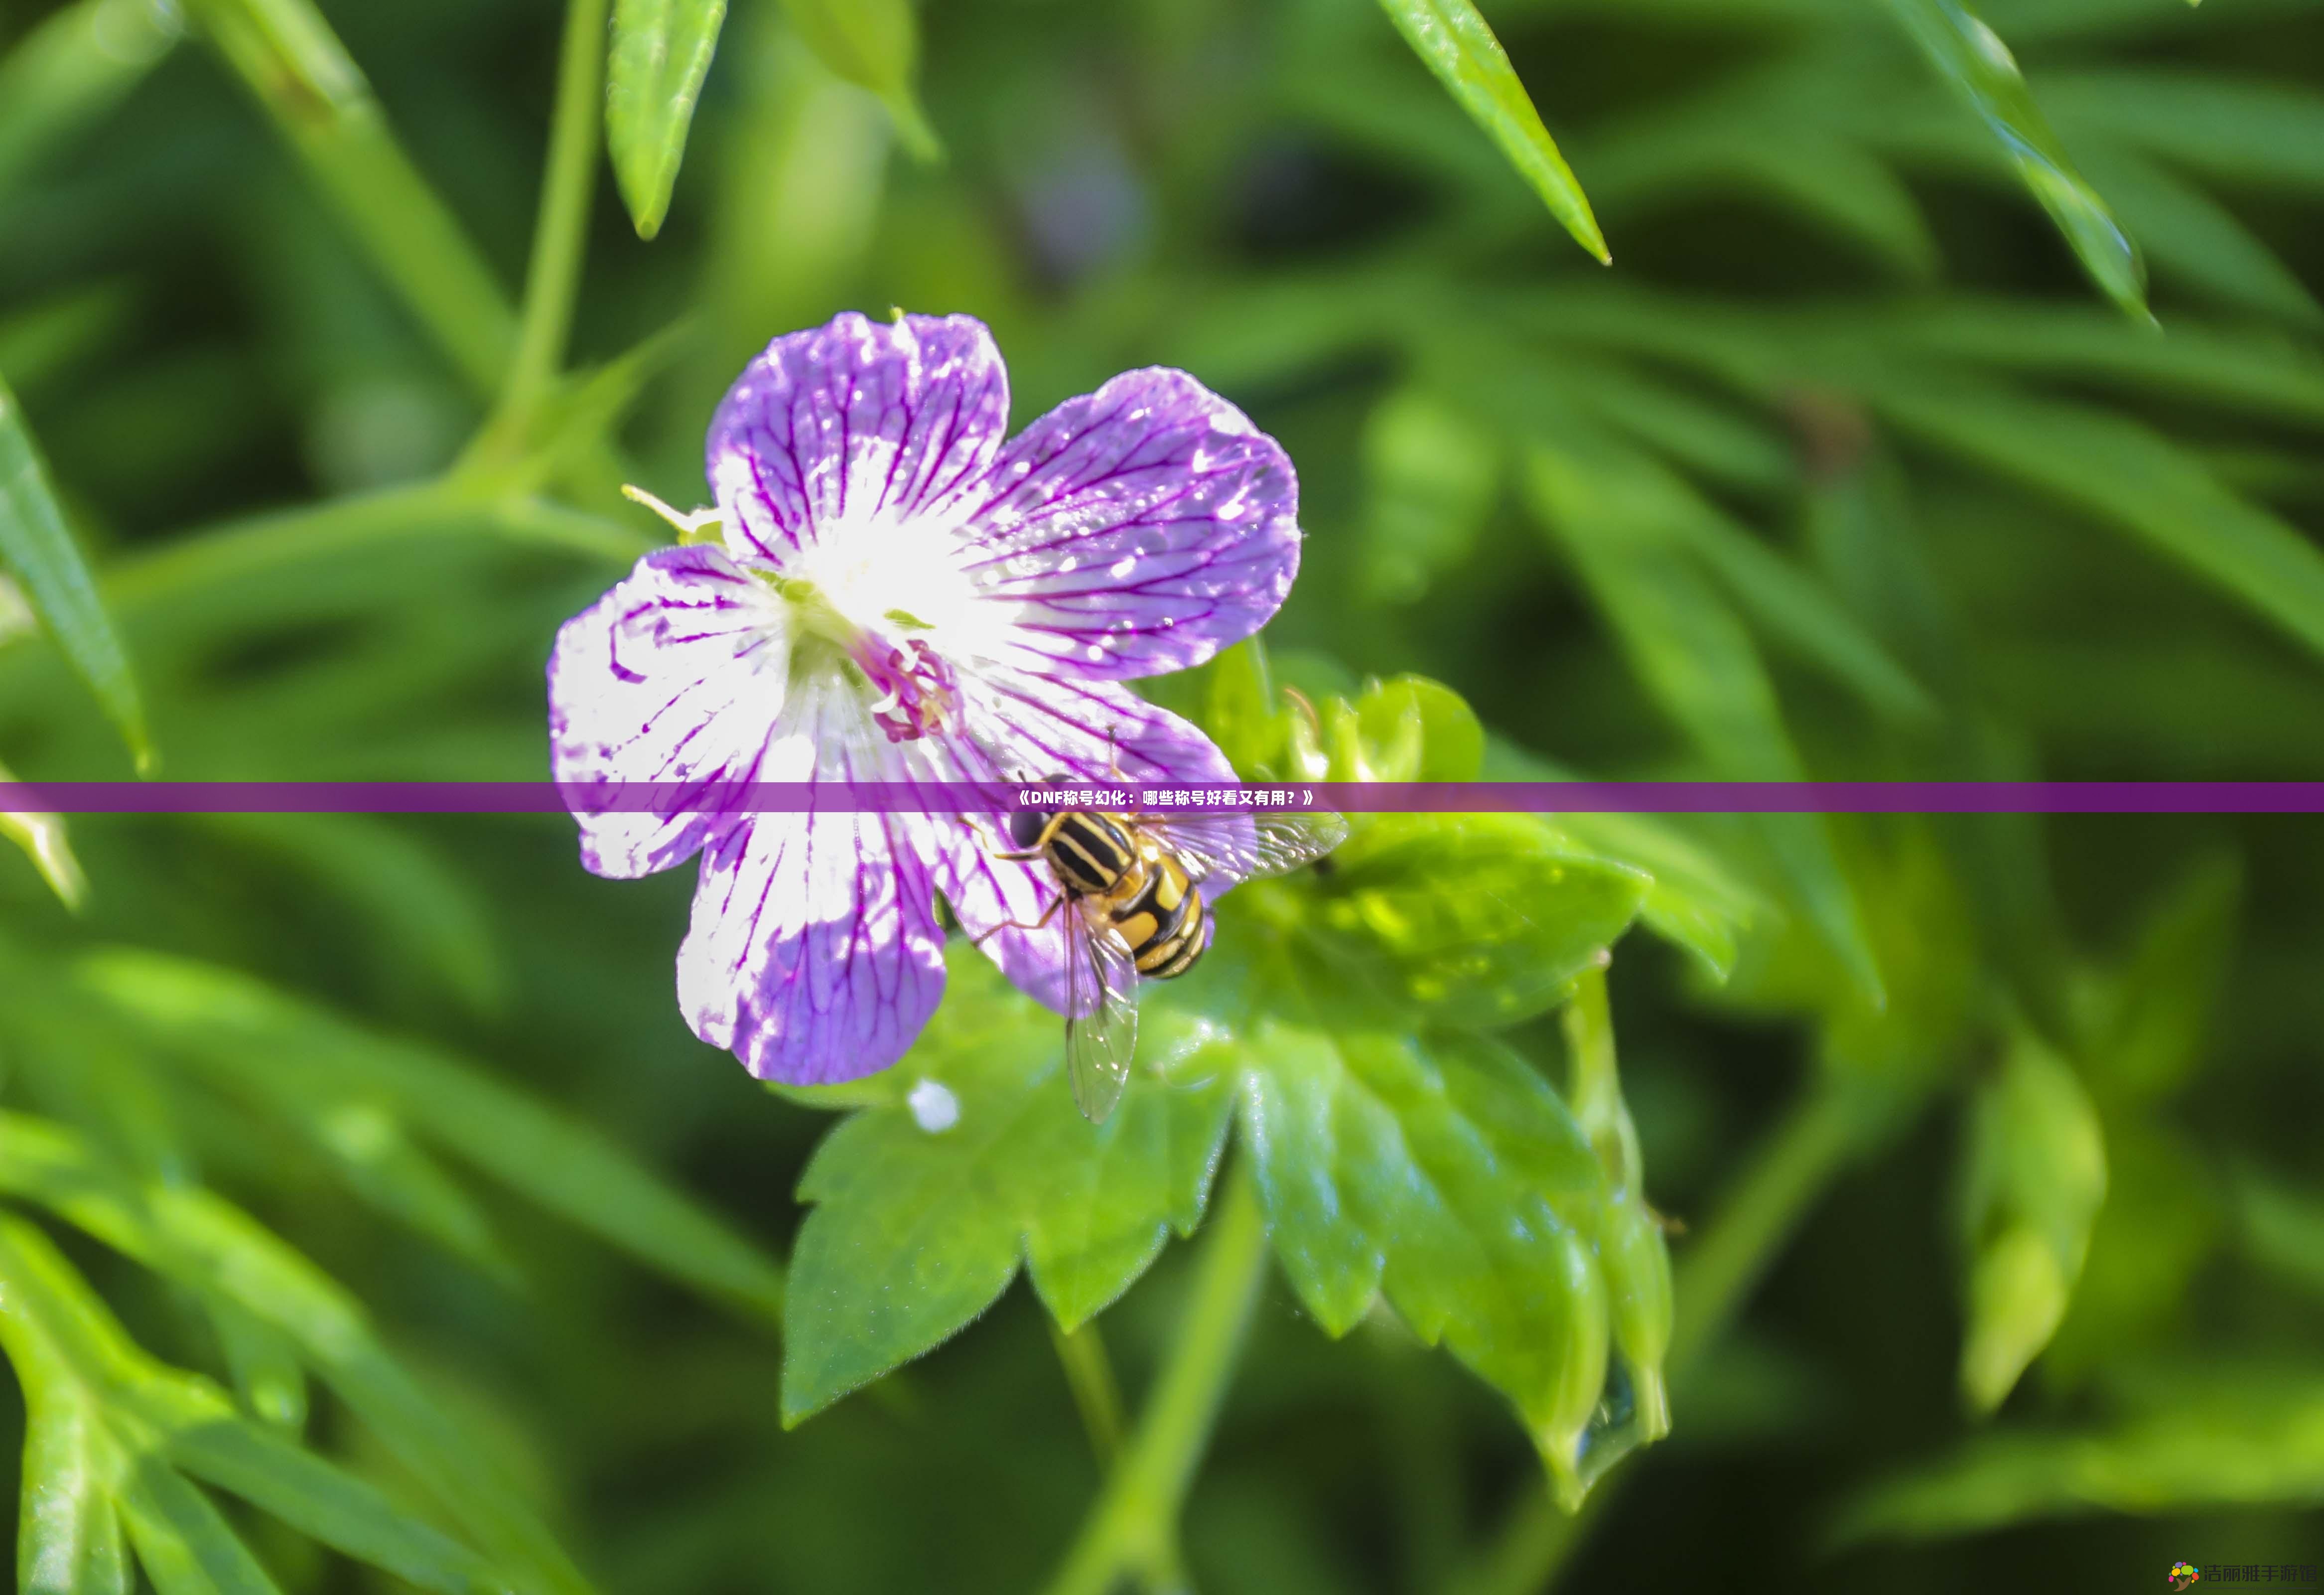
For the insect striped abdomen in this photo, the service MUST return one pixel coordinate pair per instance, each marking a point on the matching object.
(1167, 937)
(1090, 853)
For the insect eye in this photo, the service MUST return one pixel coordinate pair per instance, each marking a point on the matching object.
(1025, 825)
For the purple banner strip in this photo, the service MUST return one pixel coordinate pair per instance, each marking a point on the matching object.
(1352, 798)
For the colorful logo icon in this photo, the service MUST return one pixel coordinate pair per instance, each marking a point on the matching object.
(2184, 1573)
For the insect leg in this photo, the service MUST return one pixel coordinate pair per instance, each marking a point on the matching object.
(1047, 914)
(993, 850)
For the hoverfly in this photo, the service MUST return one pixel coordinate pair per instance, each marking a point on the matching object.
(1130, 888)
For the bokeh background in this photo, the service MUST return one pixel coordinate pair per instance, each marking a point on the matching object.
(1844, 467)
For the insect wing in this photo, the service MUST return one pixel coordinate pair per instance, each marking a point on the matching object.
(1278, 844)
(1101, 1031)
(1287, 841)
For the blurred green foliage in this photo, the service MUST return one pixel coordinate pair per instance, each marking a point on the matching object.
(350, 1163)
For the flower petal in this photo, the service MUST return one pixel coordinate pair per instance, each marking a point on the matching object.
(676, 675)
(814, 952)
(854, 423)
(1139, 528)
(1025, 727)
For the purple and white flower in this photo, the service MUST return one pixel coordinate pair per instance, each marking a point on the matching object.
(899, 596)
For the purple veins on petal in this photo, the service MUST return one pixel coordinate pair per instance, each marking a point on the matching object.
(815, 954)
(853, 423)
(674, 675)
(900, 596)
(1139, 528)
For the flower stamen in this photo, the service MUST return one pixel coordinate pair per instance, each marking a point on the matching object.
(918, 691)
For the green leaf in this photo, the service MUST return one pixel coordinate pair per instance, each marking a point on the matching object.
(1694, 657)
(970, 1157)
(1447, 1175)
(2130, 476)
(38, 551)
(208, 1245)
(2205, 1450)
(245, 1031)
(1432, 477)
(2282, 1229)
(660, 54)
(1456, 44)
(69, 1541)
(2148, 1022)
(1973, 59)
(2263, 374)
(141, 1424)
(1414, 729)
(184, 1544)
(1709, 440)
(43, 837)
(1461, 919)
(1694, 902)
(2194, 239)
(1244, 714)
(1800, 610)
(875, 43)
(1631, 1246)
(2036, 1178)
(2160, 1224)
(264, 1363)
(1440, 1169)
(2246, 129)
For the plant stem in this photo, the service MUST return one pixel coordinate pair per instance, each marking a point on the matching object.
(300, 73)
(1788, 1173)
(1089, 1373)
(234, 551)
(1133, 1526)
(560, 234)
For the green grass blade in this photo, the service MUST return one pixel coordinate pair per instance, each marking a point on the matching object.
(43, 837)
(207, 1244)
(184, 1543)
(875, 43)
(2257, 372)
(1798, 609)
(2248, 130)
(48, 338)
(1974, 60)
(302, 76)
(38, 551)
(235, 1024)
(2194, 239)
(71, 70)
(2212, 1449)
(69, 1541)
(427, 920)
(1454, 41)
(661, 52)
(328, 1504)
(65, 1345)
(264, 1363)
(2129, 476)
(1694, 657)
